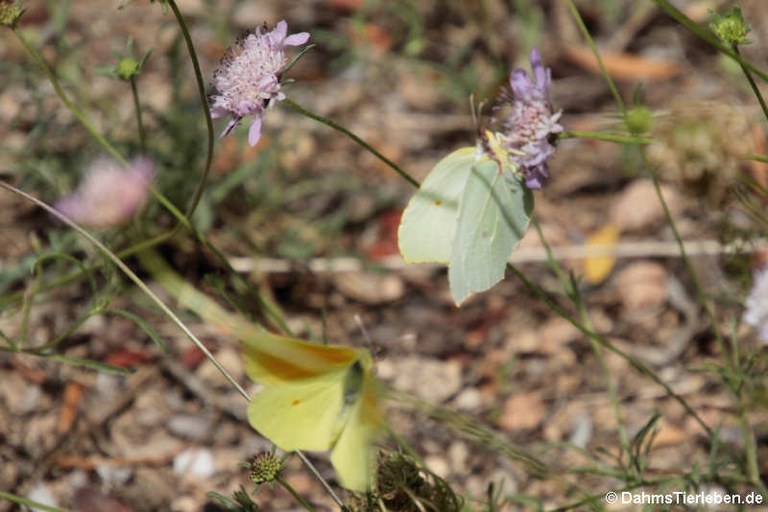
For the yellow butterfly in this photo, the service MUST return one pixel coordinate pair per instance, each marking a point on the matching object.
(314, 397)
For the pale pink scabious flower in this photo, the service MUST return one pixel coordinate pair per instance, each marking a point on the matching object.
(529, 122)
(756, 306)
(110, 193)
(248, 77)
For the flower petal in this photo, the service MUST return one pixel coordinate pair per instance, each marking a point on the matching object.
(296, 39)
(254, 132)
(277, 36)
(521, 83)
(540, 73)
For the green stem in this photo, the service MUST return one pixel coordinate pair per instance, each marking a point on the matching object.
(707, 36)
(697, 287)
(19, 500)
(46, 69)
(361, 142)
(752, 84)
(608, 137)
(591, 43)
(759, 158)
(139, 122)
(203, 101)
(296, 495)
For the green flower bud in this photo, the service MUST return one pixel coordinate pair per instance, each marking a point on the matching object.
(639, 119)
(264, 467)
(730, 28)
(126, 68)
(10, 14)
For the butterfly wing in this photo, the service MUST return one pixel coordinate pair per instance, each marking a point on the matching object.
(338, 410)
(351, 456)
(493, 216)
(429, 221)
(301, 415)
(272, 359)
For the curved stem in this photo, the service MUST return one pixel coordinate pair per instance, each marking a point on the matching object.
(591, 43)
(206, 108)
(46, 69)
(328, 122)
(752, 84)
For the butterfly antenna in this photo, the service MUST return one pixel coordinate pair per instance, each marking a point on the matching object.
(364, 331)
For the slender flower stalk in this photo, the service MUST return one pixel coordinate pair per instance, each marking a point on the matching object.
(248, 78)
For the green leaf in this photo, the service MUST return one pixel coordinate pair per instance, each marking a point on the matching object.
(90, 363)
(144, 326)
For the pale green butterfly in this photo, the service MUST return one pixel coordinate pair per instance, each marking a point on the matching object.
(469, 213)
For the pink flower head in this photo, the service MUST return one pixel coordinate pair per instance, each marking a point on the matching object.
(529, 123)
(248, 77)
(756, 306)
(110, 193)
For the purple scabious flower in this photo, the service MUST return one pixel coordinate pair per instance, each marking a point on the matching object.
(756, 306)
(248, 77)
(527, 126)
(110, 193)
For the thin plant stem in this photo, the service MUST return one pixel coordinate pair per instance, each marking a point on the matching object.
(46, 69)
(203, 101)
(26, 310)
(752, 84)
(576, 298)
(594, 340)
(697, 287)
(139, 121)
(312, 469)
(654, 179)
(748, 437)
(333, 124)
(296, 495)
(608, 137)
(642, 368)
(20, 500)
(591, 43)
